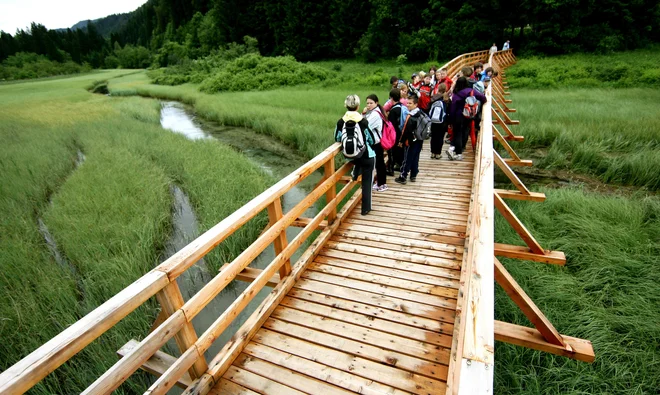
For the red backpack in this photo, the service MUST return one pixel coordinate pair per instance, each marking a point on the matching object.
(471, 106)
(389, 134)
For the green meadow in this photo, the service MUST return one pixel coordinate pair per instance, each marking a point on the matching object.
(111, 214)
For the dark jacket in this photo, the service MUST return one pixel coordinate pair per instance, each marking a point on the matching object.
(408, 134)
(458, 103)
(395, 117)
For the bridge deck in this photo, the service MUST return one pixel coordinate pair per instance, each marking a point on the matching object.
(374, 312)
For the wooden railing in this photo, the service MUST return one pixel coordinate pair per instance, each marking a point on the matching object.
(161, 282)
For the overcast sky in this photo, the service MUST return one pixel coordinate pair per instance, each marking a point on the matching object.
(55, 14)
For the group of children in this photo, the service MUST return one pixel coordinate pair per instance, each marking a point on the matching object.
(428, 106)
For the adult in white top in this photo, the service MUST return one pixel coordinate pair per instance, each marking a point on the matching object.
(505, 46)
(493, 49)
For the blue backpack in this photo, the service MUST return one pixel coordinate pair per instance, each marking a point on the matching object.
(404, 115)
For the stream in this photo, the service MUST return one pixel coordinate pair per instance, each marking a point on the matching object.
(273, 157)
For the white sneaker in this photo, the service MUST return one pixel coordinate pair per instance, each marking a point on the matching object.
(451, 154)
(459, 157)
(375, 187)
(383, 188)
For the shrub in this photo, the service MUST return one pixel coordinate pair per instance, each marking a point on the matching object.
(255, 72)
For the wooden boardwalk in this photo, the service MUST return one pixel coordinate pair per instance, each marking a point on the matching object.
(375, 311)
(396, 302)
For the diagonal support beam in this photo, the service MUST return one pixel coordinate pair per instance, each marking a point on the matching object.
(526, 305)
(509, 134)
(511, 175)
(518, 226)
(505, 116)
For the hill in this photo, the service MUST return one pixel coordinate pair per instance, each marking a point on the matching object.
(106, 25)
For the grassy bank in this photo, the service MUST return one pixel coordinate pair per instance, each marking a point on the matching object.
(110, 216)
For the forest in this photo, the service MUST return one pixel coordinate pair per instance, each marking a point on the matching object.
(366, 30)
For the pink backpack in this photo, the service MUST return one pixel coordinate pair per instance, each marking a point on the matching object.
(389, 134)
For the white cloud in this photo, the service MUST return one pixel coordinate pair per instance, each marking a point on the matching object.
(54, 14)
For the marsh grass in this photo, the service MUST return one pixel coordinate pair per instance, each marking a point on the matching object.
(110, 216)
(607, 293)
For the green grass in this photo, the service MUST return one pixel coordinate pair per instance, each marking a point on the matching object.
(110, 216)
(631, 69)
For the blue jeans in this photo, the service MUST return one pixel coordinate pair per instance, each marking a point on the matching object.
(411, 159)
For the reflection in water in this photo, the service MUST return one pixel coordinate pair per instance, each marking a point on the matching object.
(273, 157)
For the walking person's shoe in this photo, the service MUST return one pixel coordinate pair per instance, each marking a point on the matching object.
(400, 180)
(413, 179)
(383, 188)
(375, 187)
(365, 212)
(459, 157)
(451, 154)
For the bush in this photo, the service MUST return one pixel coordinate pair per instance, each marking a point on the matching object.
(255, 72)
(27, 65)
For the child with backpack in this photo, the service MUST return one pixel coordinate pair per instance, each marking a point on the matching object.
(417, 128)
(463, 110)
(380, 127)
(438, 115)
(356, 139)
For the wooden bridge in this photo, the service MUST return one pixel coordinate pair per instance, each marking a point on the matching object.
(399, 301)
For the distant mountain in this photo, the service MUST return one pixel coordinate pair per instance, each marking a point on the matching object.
(105, 26)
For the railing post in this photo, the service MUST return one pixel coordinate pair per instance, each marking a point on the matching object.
(171, 300)
(328, 171)
(280, 243)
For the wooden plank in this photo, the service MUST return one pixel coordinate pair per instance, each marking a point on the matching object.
(398, 255)
(390, 225)
(157, 364)
(390, 264)
(30, 370)
(581, 349)
(367, 348)
(518, 226)
(286, 376)
(441, 215)
(403, 239)
(382, 301)
(258, 383)
(361, 320)
(507, 147)
(422, 250)
(226, 387)
(301, 222)
(438, 222)
(373, 312)
(389, 281)
(169, 378)
(524, 253)
(280, 242)
(249, 274)
(508, 133)
(434, 208)
(331, 375)
(387, 368)
(379, 289)
(517, 195)
(526, 305)
(393, 273)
